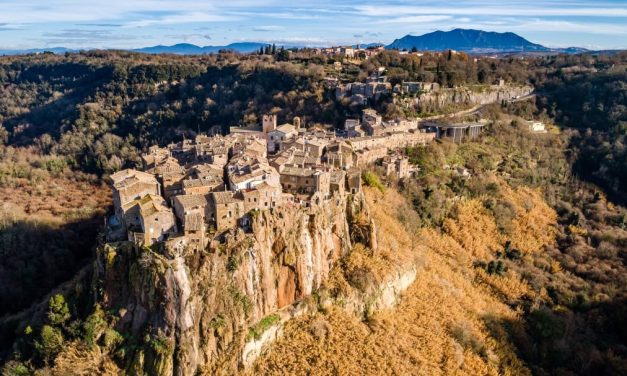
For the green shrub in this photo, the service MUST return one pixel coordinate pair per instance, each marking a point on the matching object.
(264, 324)
(217, 322)
(242, 299)
(50, 342)
(93, 327)
(112, 338)
(232, 263)
(372, 180)
(15, 368)
(161, 345)
(58, 311)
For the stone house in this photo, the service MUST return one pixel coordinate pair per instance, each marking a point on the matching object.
(225, 209)
(295, 158)
(350, 124)
(308, 181)
(253, 147)
(130, 185)
(278, 136)
(396, 165)
(264, 196)
(370, 117)
(156, 220)
(208, 184)
(246, 173)
(337, 182)
(415, 87)
(190, 211)
(170, 173)
(339, 154)
(155, 156)
(312, 146)
(353, 180)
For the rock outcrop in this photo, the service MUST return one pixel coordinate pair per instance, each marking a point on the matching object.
(187, 311)
(462, 96)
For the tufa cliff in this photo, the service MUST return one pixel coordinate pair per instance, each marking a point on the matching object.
(465, 96)
(188, 311)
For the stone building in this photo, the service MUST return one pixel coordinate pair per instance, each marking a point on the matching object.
(396, 165)
(202, 186)
(337, 182)
(369, 155)
(247, 173)
(306, 181)
(419, 87)
(269, 123)
(154, 220)
(191, 210)
(294, 157)
(339, 155)
(313, 146)
(130, 185)
(353, 180)
(264, 196)
(278, 136)
(225, 209)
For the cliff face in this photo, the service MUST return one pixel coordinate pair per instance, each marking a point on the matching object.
(188, 310)
(443, 99)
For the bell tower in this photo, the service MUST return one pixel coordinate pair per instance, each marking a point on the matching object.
(269, 123)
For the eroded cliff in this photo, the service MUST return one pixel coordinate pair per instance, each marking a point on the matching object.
(465, 96)
(187, 310)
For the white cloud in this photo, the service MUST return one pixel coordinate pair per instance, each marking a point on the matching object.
(537, 9)
(169, 11)
(268, 28)
(416, 19)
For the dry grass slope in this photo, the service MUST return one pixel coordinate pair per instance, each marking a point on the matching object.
(451, 320)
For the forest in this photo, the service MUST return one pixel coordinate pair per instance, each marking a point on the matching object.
(67, 121)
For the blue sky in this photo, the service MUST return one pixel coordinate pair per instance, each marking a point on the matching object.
(139, 23)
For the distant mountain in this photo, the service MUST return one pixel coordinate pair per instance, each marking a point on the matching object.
(56, 50)
(368, 45)
(473, 41)
(192, 49)
(467, 40)
(178, 49)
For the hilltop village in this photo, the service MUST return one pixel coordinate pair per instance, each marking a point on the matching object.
(196, 188)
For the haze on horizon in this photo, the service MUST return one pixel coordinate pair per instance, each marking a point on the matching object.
(138, 23)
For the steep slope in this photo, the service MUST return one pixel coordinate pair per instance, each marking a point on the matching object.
(453, 319)
(185, 310)
(466, 40)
